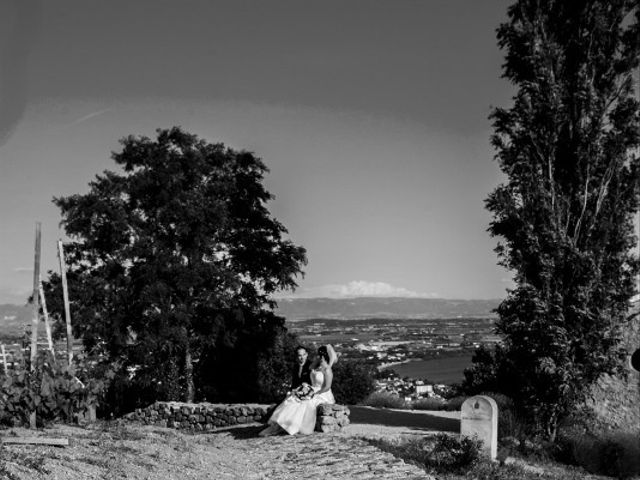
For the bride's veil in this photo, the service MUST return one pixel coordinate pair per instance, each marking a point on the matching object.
(333, 356)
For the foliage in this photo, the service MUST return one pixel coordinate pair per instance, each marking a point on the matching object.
(428, 404)
(384, 400)
(448, 391)
(173, 263)
(441, 453)
(55, 391)
(454, 404)
(565, 213)
(353, 380)
(615, 454)
(452, 458)
(257, 365)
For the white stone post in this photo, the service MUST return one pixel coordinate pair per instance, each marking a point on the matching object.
(479, 418)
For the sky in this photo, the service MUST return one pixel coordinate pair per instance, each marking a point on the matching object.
(371, 115)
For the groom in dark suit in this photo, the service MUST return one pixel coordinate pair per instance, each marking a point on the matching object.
(302, 369)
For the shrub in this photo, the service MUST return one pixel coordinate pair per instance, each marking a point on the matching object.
(442, 453)
(615, 454)
(451, 453)
(55, 391)
(353, 381)
(454, 403)
(384, 400)
(510, 422)
(511, 425)
(428, 404)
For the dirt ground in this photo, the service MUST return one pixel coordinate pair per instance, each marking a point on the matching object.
(123, 450)
(119, 450)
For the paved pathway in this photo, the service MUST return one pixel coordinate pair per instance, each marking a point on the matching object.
(321, 456)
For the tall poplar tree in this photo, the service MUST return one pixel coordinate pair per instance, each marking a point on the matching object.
(565, 213)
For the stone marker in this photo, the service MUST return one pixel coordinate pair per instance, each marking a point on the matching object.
(479, 418)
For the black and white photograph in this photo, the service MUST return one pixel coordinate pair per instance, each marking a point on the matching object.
(284, 239)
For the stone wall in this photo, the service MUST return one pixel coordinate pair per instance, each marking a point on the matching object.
(211, 416)
(331, 418)
(199, 416)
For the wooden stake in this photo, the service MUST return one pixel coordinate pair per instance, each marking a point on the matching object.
(45, 313)
(65, 294)
(35, 299)
(58, 442)
(4, 359)
(36, 311)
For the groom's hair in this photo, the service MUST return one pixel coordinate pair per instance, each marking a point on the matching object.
(301, 347)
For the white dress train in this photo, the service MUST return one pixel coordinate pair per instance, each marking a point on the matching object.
(299, 416)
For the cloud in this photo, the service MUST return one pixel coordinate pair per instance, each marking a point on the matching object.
(360, 288)
(88, 117)
(23, 270)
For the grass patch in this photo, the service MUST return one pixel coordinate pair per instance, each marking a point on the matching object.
(441, 453)
(449, 458)
(95, 461)
(24, 459)
(615, 454)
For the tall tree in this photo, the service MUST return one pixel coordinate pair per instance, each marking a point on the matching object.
(175, 255)
(565, 212)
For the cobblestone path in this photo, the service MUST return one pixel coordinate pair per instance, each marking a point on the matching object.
(331, 456)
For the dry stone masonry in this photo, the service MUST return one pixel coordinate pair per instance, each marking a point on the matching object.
(200, 416)
(331, 418)
(211, 416)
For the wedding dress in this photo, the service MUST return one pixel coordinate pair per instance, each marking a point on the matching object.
(299, 416)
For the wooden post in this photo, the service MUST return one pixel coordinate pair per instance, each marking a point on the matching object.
(36, 311)
(45, 313)
(4, 359)
(65, 295)
(35, 299)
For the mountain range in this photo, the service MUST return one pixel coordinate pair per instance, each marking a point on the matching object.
(383, 307)
(14, 318)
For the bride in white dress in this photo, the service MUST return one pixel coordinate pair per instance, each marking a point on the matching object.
(297, 413)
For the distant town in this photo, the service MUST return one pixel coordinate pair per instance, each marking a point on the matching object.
(416, 358)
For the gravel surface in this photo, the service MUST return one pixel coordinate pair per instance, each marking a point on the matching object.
(119, 450)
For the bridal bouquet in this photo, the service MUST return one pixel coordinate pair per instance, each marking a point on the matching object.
(303, 392)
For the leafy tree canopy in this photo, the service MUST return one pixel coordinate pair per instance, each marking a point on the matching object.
(565, 213)
(353, 381)
(175, 254)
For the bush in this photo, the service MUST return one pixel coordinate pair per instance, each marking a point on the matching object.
(454, 403)
(442, 453)
(428, 404)
(384, 400)
(353, 381)
(450, 458)
(55, 391)
(615, 454)
(251, 362)
(451, 453)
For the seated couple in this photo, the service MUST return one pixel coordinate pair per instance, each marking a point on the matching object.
(310, 387)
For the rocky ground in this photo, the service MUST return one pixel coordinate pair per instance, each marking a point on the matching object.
(126, 451)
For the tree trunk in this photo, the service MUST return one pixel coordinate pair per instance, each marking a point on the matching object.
(188, 374)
